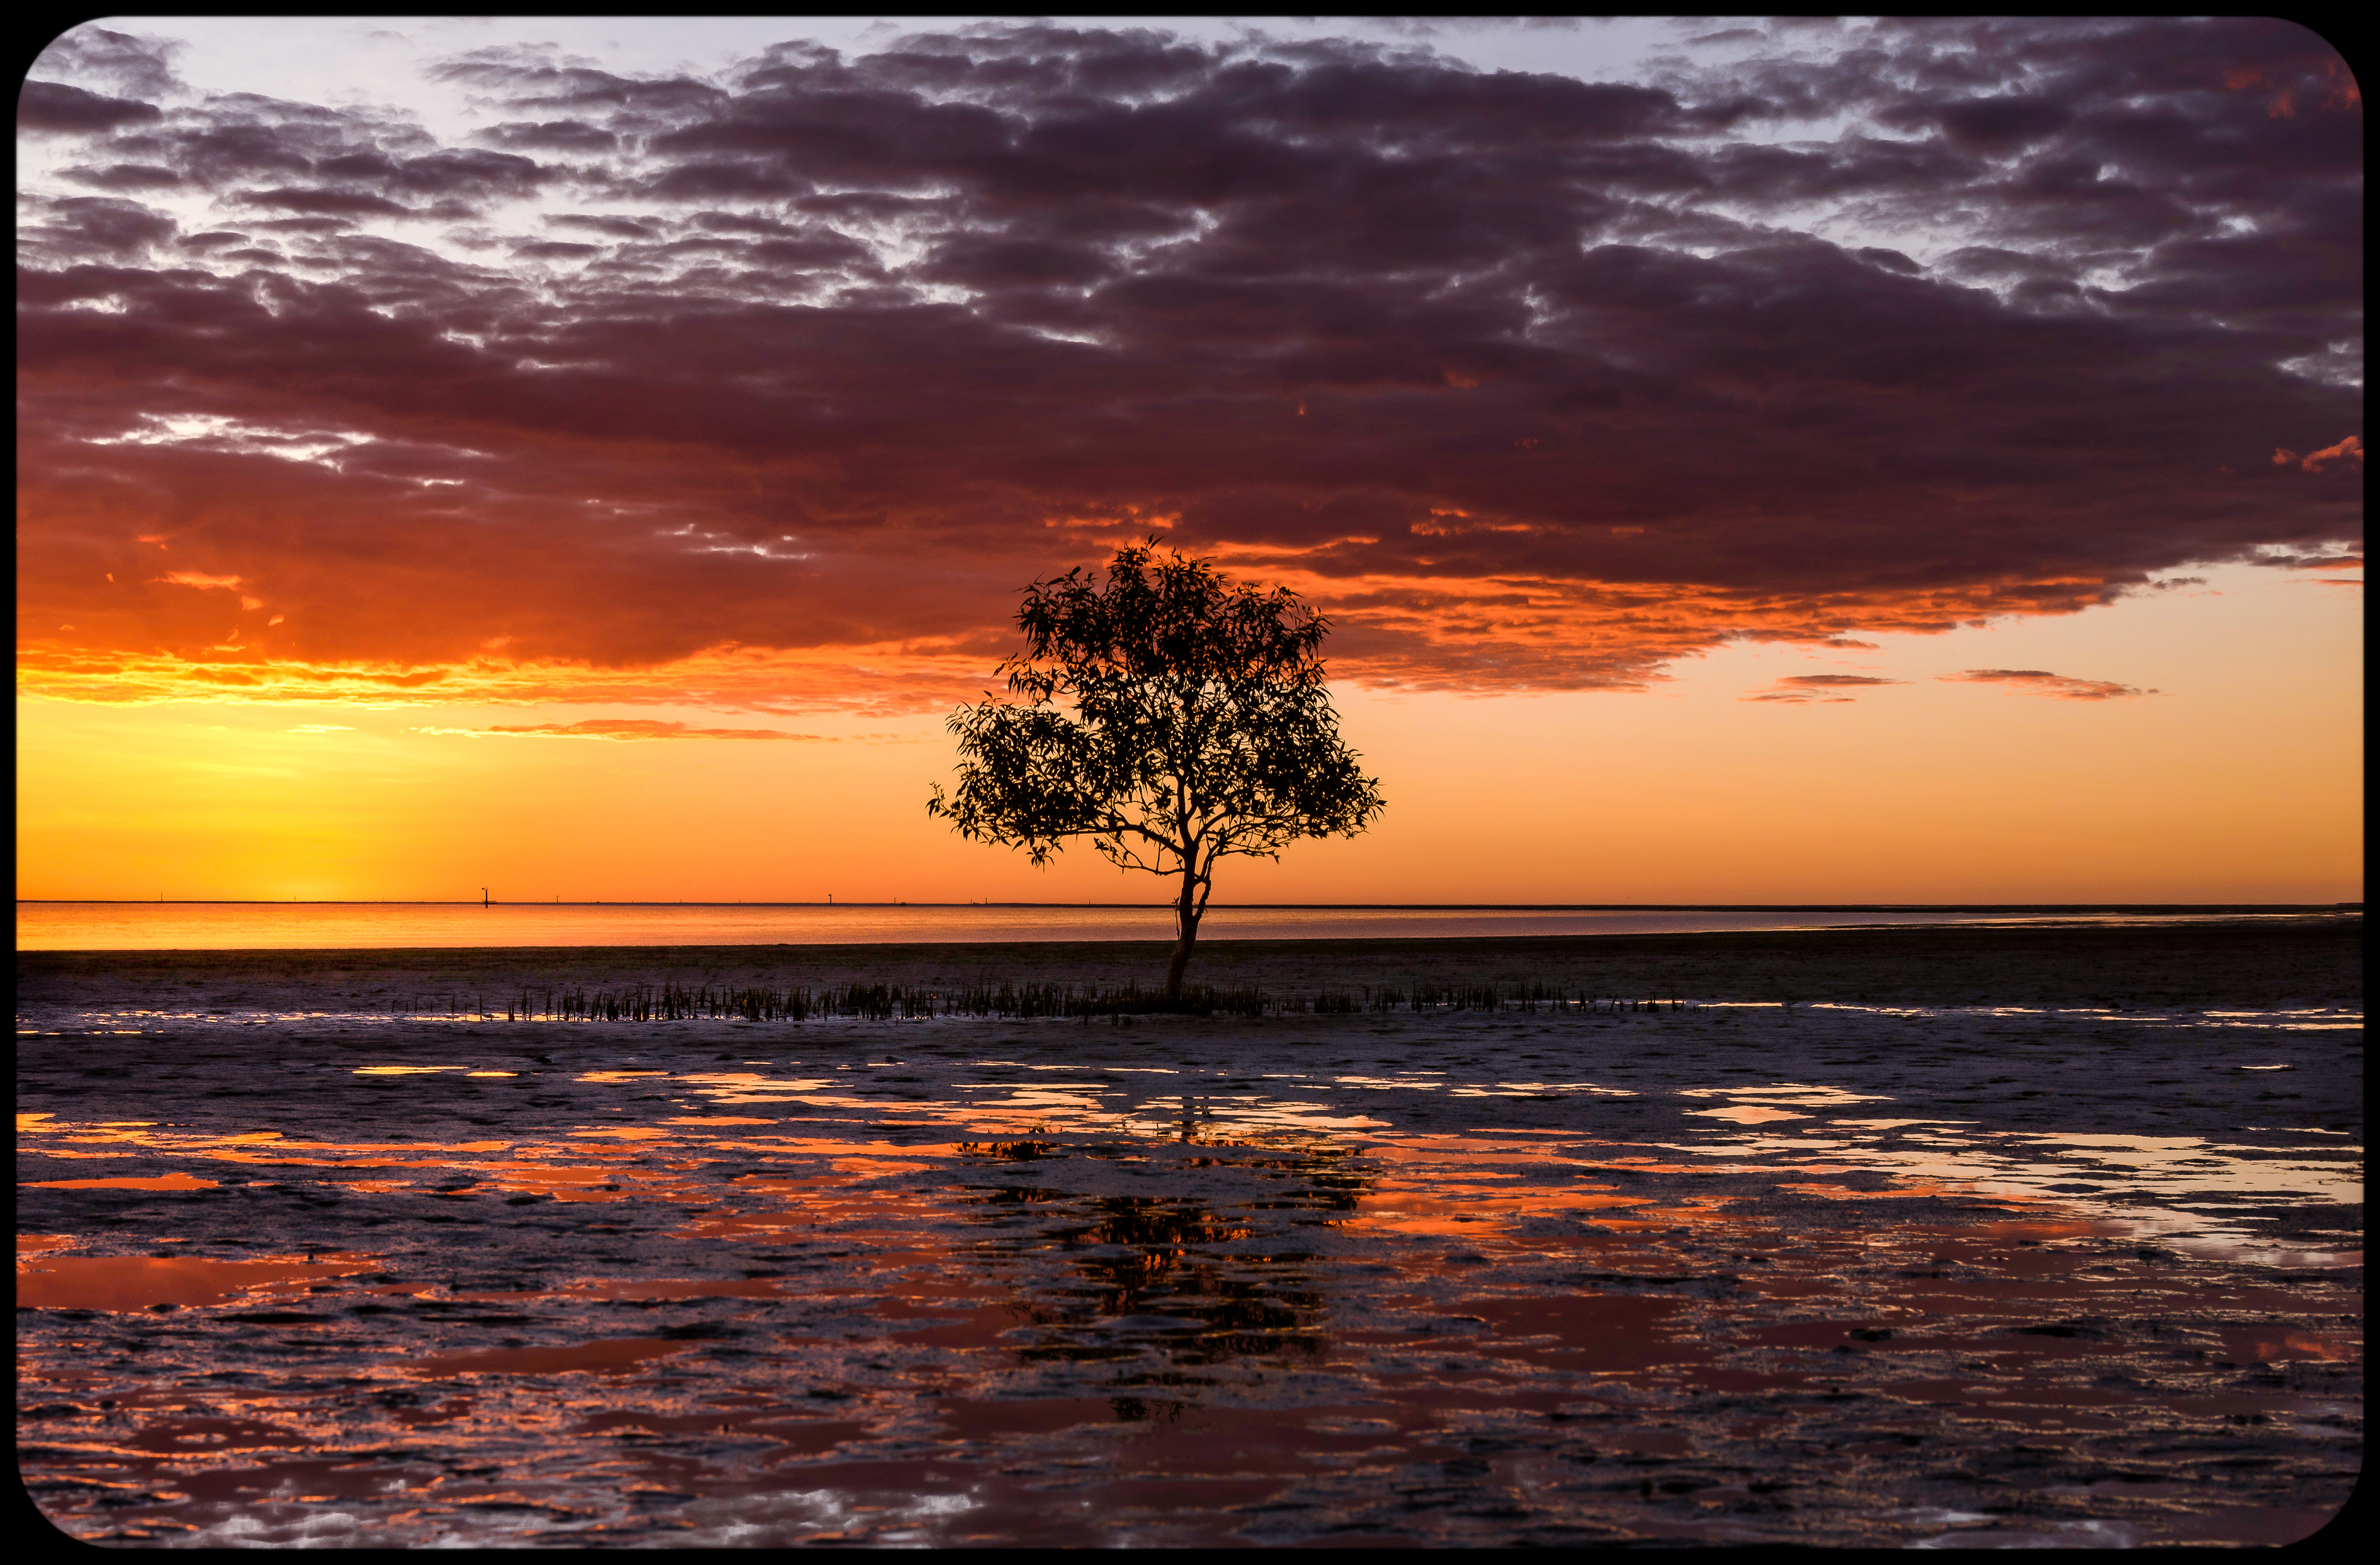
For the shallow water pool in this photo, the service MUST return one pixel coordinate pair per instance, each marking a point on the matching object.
(1488, 1280)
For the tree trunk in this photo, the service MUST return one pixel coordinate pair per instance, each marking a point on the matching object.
(1185, 927)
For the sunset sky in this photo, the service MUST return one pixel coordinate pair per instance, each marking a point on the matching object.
(1911, 461)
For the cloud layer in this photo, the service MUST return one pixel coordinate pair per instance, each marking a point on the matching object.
(635, 728)
(771, 388)
(2039, 682)
(1801, 688)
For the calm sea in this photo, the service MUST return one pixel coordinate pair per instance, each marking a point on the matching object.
(120, 926)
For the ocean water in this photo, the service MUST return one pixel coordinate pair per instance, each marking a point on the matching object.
(236, 926)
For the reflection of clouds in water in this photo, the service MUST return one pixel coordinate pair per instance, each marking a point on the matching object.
(2182, 1186)
(2308, 1018)
(740, 1284)
(1769, 1103)
(763, 1519)
(1367, 1287)
(2185, 1190)
(1746, 1114)
(49, 1280)
(924, 1508)
(832, 1322)
(2157, 1182)
(1084, 1105)
(2186, 1177)
(1796, 1093)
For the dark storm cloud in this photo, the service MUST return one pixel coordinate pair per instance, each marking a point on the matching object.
(1533, 382)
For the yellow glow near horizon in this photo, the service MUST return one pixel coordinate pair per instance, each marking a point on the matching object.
(2240, 781)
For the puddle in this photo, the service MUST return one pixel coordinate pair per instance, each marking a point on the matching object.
(621, 1355)
(2305, 1019)
(675, 1288)
(158, 1182)
(50, 1282)
(1746, 1114)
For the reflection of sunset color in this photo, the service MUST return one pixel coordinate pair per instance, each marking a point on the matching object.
(1739, 467)
(998, 1276)
(602, 1256)
(140, 1282)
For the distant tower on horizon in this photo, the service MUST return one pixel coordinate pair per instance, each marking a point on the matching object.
(484, 896)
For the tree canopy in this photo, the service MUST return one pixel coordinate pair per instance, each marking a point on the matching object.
(1171, 716)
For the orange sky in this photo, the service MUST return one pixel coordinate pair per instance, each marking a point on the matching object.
(1776, 475)
(2239, 781)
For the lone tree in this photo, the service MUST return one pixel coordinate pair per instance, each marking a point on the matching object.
(1172, 717)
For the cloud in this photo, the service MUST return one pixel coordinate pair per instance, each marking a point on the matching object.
(127, 63)
(2282, 559)
(1805, 687)
(891, 680)
(2352, 446)
(2057, 685)
(1530, 383)
(636, 728)
(56, 108)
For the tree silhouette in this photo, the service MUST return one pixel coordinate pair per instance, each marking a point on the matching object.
(1172, 717)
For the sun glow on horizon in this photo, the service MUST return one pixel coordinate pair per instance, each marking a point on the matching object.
(1908, 784)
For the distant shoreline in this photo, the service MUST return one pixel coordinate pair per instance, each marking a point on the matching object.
(2250, 960)
(523, 929)
(2046, 907)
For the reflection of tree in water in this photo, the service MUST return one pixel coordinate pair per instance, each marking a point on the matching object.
(1328, 1186)
(1153, 1255)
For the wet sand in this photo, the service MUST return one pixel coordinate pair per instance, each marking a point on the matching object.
(1991, 1236)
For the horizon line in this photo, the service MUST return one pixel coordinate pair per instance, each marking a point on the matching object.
(1244, 906)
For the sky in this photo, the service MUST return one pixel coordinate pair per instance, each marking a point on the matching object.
(1739, 462)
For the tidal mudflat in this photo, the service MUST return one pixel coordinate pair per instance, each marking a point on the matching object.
(1988, 1237)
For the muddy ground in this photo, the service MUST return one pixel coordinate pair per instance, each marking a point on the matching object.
(2008, 1236)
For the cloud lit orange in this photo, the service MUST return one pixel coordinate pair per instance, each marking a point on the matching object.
(1531, 381)
(634, 728)
(2042, 682)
